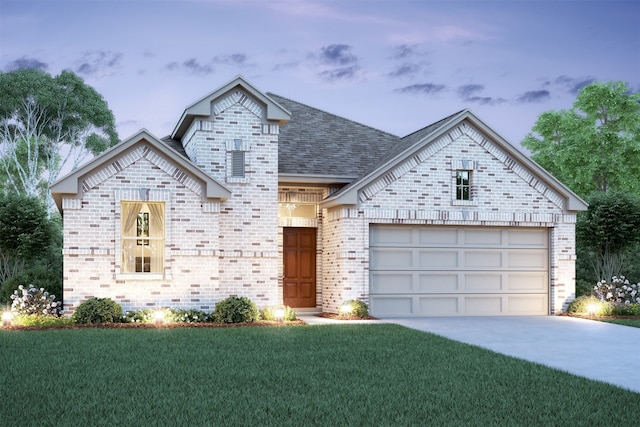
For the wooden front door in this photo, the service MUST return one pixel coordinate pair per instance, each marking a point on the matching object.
(299, 251)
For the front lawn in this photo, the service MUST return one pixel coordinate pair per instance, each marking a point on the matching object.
(294, 375)
(626, 321)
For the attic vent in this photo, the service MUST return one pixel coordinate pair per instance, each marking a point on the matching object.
(237, 164)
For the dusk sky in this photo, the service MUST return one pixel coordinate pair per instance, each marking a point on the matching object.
(395, 65)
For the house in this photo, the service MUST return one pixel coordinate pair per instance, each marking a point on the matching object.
(257, 195)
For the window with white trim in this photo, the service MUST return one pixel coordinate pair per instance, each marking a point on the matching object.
(142, 236)
(463, 185)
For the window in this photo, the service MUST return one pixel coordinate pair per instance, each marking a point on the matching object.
(463, 185)
(142, 237)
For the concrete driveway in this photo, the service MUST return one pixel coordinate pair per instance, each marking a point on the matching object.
(595, 350)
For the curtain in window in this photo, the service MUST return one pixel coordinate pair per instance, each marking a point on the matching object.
(129, 215)
(156, 233)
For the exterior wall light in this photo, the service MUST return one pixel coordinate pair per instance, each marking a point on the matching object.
(7, 317)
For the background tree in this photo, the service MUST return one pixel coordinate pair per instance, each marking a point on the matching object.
(25, 232)
(595, 146)
(48, 124)
(606, 232)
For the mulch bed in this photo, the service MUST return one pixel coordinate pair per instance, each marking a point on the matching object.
(343, 317)
(173, 325)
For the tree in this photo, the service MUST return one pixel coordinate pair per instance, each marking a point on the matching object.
(48, 124)
(25, 232)
(607, 229)
(595, 146)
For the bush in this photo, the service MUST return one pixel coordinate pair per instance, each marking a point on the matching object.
(625, 309)
(235, 310)
(39, 277)
(170, 315)
(37, 321)
(270, 313)
(98, 310)
(355, 308)
(35, 301)
(619, 291)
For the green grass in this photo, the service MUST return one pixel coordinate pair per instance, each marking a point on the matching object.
(633, 322)
(378, 375)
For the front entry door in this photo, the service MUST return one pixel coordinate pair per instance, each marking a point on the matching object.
(299, 251)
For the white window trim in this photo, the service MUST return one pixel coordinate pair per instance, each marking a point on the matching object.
(465, 165)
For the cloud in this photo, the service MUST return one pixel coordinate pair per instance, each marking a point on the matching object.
(403, 51)
(337, 54)
(573, 85)
(191, 66)
(425, 88)
(99, 63)
(238, 59)
(470, 94)
(342, 73)
(25, 62)
(534, 96)
(405, 70)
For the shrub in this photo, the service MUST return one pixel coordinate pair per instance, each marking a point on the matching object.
(98, 310)
(355, 308)
(618, 291)
(171, 315)
(141, 316)
(235, 310)
(632, 309)
(35, 301)
(38, 321)
(39, 277)
(581, 305)
(270, 313)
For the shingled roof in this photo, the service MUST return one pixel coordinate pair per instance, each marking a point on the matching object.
(315, 142)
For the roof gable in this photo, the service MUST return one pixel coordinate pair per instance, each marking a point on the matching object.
(202, 107)
(419, 146)
(142, 144)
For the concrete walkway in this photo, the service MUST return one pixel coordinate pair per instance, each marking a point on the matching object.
(595, 350)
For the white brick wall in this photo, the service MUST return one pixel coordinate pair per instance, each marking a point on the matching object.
(422, 191)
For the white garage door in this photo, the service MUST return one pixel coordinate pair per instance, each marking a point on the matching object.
(458, 271)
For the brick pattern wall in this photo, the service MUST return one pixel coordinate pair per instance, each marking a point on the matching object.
(421, 190)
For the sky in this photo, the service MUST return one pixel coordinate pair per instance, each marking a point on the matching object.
(397, 66)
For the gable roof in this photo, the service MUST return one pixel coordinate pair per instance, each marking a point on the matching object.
(327, 147)
(71, 184)
(202, 107)
(413, 143)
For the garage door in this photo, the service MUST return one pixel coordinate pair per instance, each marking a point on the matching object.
(458, 271)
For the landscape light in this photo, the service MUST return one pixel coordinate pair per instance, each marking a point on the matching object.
(593, 307)
(7, 317)
(346, 309)
(279, 314)
(159, 316)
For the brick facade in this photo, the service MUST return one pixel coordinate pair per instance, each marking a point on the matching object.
(218, 246)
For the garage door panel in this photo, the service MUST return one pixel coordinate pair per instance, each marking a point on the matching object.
(461, 271)
(438, 237)
(391, 258)
(527, 238)
(526, 282)
(392, 306)
(438, 282)
(530, 260)
(391, 282)
(437, 259)
(439, 306)
(487, 259)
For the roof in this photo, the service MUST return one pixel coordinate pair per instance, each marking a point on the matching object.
(318, 143)
(417, 141)
(71, 184)
(202, 107)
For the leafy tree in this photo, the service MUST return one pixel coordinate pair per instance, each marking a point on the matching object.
(25, 232)
(607, 230)
(595, 146)
(48, 124)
